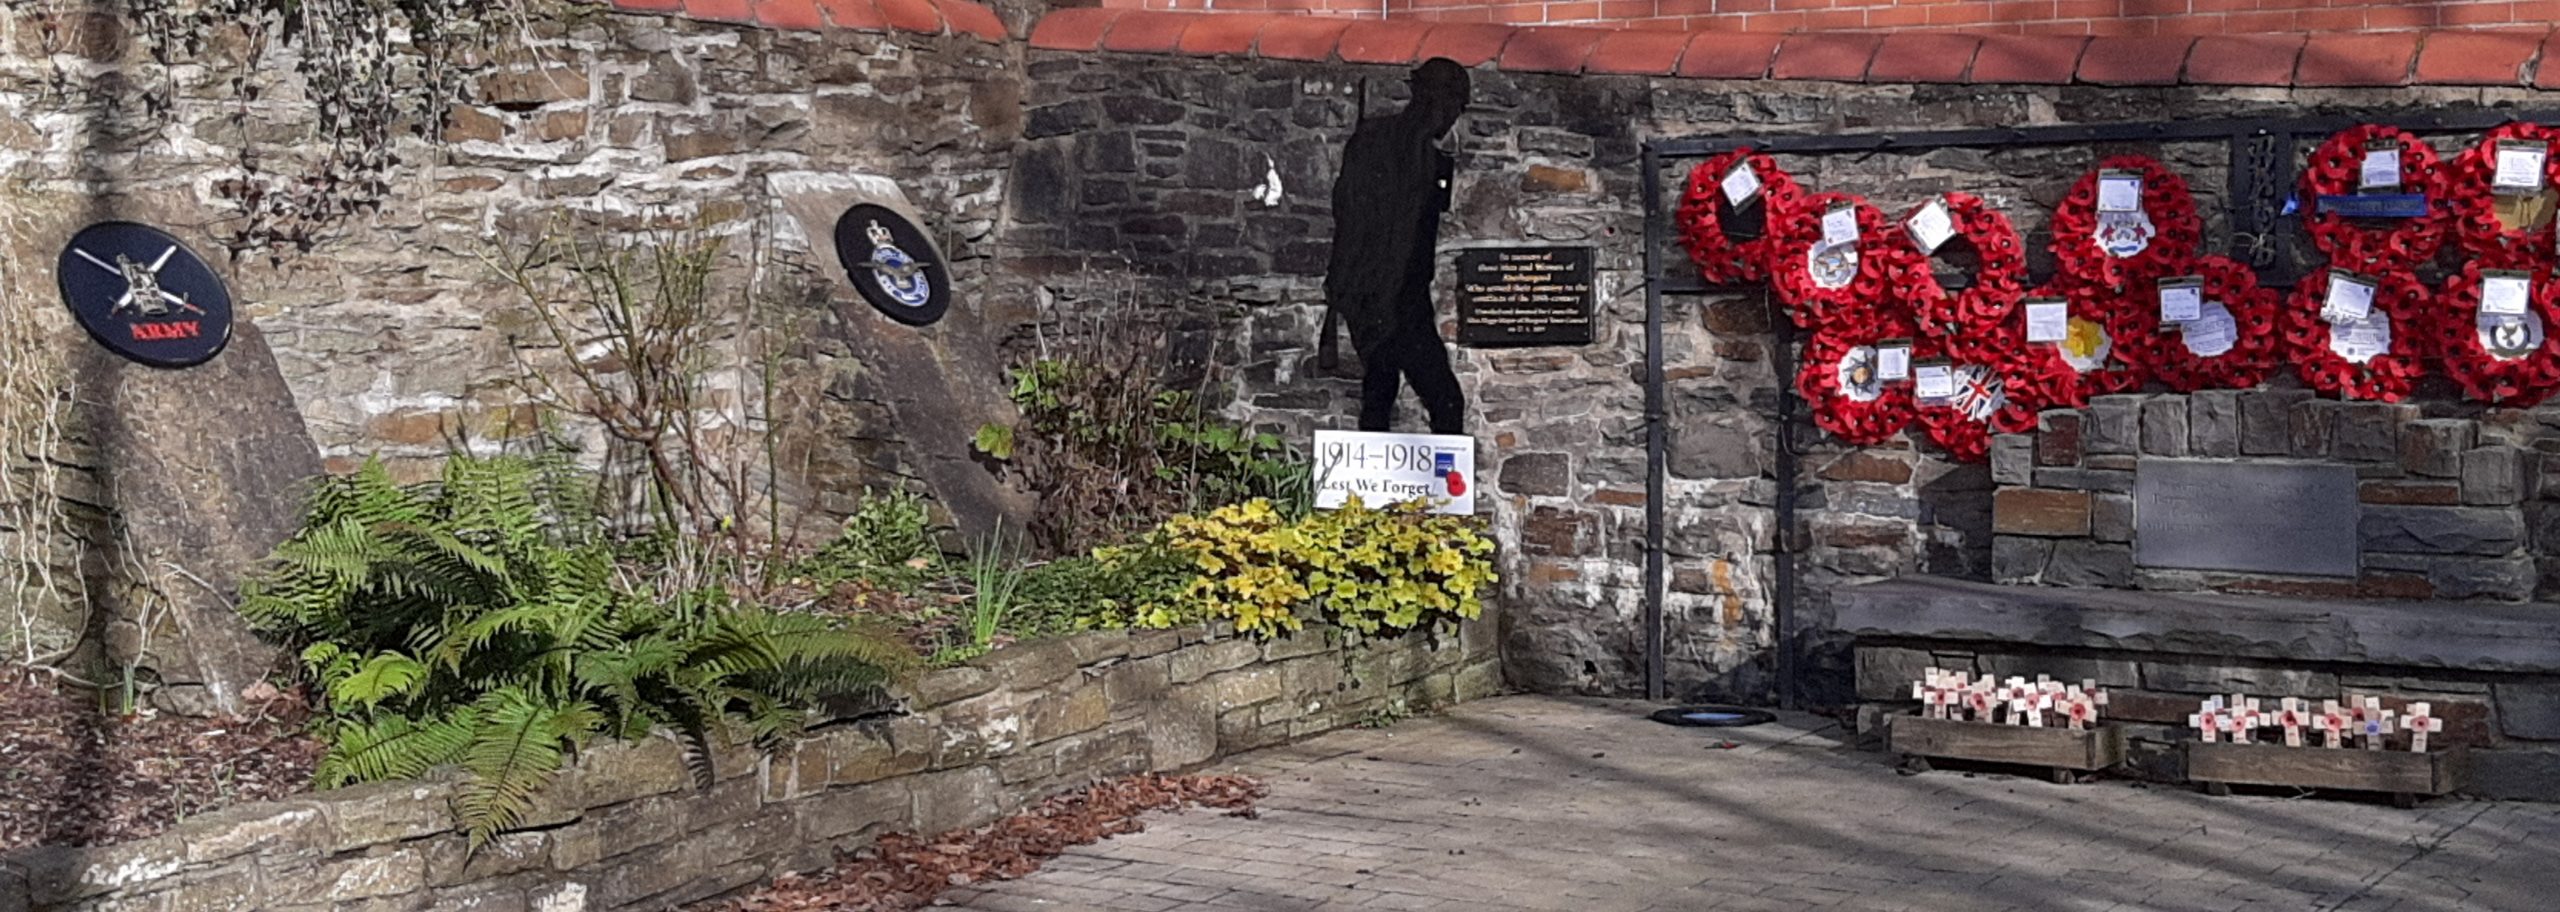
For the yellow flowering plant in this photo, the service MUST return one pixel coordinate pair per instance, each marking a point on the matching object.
(1371, 571)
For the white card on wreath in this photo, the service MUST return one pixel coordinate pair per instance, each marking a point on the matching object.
(2505, 294)
(2350, 298)
(1741, 184)
(2048, 320)
(1934, 381)
(2381, 169)
(2520, 167)
(2181, 300)
(1893, 363)
(1931, 226)
(2119, 193)
(1840, 226)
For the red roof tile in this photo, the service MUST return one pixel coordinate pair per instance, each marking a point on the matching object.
(1923, 57)
(1146, 32)
(1728, 55)
(791, 15)
(2112, 60)
(854, 14)
(1551, 50)
(1079, 29)
(972, 18)
(1369, 41)
(1834, 57)
(2357, 60)
(2249, 60)
(2477, 58)
(1646, 51)
(1301, 37)
(1219, 35)
(912, 16)
(1468, 43)
(2028, 59)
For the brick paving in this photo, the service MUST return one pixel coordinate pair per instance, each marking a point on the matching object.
(1554, 804)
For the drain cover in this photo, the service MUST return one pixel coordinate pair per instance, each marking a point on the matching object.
(1713, 716)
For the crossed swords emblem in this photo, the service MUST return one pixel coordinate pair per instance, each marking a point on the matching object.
(142, 291)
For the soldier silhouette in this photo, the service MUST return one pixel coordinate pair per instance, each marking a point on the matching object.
(1387, 200)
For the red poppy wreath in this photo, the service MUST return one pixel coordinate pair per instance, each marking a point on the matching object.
(2374, 245)
(1820, 277)
(2492, 327)
(2087, 360)
(1842, 379)
(1988, 393)
(2232, 343)
(1999, 278)
(2374, 356)
(1723, 259)
(2101, 240)
(2500, 168)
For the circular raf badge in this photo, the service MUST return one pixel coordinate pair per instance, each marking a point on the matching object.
(893, 264)
(144, 295)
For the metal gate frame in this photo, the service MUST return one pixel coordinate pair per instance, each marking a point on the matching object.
(2263, 153)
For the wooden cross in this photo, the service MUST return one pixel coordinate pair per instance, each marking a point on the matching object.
(2420, 722)
(2293, 719)
(2207, 719)
(1979, 700)
(2374, 722)
(2244, 711)
(2096, 694)
(2333, 722)
(1926, 691)
(2081, 708)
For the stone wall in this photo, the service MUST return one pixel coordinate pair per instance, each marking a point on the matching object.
(626, 829)
(2444, 501)
(394, 333)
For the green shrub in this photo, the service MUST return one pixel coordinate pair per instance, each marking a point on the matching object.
(1110, 454)
(483, 620)
(1372, 572)
(887, 542)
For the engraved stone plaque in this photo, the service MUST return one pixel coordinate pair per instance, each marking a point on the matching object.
(2258, 517)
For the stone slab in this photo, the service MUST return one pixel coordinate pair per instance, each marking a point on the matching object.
(2252, 517)
(207, 467)
(2470, 636)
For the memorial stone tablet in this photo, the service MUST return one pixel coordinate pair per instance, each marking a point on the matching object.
(1524, 296)
(2257, 517)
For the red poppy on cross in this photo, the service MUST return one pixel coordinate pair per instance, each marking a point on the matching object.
(2334, 722)
(2421, 722)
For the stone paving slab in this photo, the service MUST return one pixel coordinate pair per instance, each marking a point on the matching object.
(1539, 803)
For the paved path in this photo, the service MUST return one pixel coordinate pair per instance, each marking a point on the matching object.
(1541, 803)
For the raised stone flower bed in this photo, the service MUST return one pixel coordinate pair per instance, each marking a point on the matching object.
(626, 829)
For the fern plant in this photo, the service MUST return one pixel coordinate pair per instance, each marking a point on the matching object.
(482, 620)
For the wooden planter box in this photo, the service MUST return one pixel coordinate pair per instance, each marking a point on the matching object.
(2062, 750)
(2403, 774)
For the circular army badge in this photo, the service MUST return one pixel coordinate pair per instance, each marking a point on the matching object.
(144, 295)
(893, 265)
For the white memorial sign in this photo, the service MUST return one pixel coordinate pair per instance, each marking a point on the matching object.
(1386, 468)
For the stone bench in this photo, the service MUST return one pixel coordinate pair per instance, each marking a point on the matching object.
(2491, 670)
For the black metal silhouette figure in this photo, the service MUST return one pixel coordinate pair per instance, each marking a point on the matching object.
(1387, 201)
